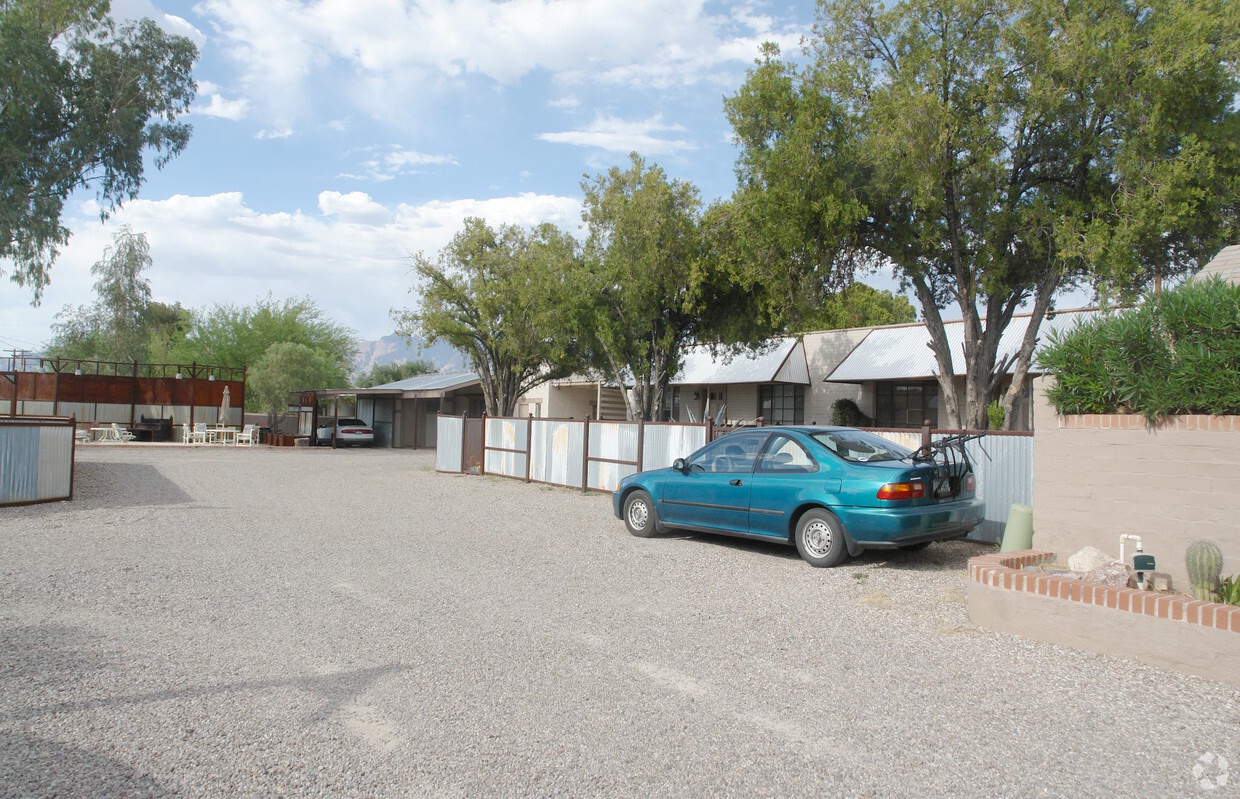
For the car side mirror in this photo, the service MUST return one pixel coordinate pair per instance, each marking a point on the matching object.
(680, 465)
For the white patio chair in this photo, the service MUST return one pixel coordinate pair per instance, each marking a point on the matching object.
(122, 435)
(82, 435)
(246, 436)
(198, 435)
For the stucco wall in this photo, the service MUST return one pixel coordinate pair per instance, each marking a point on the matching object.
(1098, 477)
(825, 350)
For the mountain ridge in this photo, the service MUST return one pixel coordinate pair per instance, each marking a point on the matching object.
(393, 348)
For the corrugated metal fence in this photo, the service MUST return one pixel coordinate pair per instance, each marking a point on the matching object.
(594, 455)
(1003, 463)
(36, 459)
(566, 452)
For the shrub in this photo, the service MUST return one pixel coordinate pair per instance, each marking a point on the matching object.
(1178, 352)
(995, 417)
(846, 413)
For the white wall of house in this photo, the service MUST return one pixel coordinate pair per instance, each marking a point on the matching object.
(824, 350)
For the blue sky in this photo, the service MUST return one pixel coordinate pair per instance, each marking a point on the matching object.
(334, 137)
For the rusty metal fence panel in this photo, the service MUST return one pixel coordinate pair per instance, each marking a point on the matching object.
(557, 448)
(36, 460)
(612, 454)
(507, 447)
(449, 452)
(663, 443)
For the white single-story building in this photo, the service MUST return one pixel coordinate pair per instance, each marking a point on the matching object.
(888, 371)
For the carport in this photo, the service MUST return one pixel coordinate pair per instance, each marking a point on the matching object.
(402, 413)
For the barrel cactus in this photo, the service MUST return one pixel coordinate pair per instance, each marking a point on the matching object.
(1204, 560)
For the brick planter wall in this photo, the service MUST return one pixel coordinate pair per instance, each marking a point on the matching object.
(1174, 632)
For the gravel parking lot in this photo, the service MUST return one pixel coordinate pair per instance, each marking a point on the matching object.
(310, 622)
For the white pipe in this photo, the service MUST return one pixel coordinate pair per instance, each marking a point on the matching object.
(1127, 537)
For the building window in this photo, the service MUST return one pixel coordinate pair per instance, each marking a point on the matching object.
(782, 404)
(671, 405)
(906, 404)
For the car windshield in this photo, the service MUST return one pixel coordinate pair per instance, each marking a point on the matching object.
(859, 446)
(344, 422)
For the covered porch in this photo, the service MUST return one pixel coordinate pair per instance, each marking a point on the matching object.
(402, 413)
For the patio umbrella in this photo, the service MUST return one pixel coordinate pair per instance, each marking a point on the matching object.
(224, 407)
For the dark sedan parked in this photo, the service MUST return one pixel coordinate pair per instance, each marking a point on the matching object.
(831, 491)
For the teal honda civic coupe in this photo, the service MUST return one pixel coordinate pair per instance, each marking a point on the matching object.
(831, 491)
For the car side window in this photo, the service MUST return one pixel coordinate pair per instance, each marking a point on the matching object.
(731, 454)
(785, 455)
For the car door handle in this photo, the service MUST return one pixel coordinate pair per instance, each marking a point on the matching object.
(735, 482)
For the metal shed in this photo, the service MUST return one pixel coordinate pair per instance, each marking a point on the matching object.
(402, 413)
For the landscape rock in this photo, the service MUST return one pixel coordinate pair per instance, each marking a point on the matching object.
(1088, 559)
(1113, 573)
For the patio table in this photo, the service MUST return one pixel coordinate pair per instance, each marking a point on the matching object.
(222, 435)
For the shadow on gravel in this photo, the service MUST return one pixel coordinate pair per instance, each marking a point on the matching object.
(941, 557)
(36, 658)
(33, 766)
(121, 485)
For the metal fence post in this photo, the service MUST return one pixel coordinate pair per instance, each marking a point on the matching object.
(585, 457)
(482, 464)
(529, 445)
(641, 441)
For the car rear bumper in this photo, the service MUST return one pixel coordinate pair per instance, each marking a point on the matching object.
(899, 526)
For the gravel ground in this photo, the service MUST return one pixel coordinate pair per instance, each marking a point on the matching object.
(309, 622)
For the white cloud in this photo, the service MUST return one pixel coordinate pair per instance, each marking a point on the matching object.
(414, 48)
(274, 133)
(386, 163)
(620, 136)
(353, 208)
(217, 106)
(350, 258)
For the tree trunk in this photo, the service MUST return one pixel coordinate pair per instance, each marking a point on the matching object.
(1024, 356)
(942, 353)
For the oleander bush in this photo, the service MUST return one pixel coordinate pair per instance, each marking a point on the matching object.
(1178, 352)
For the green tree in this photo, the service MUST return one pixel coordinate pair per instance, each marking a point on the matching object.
(286, 367)
(81, 101)
(384, 373)
(124, 293)
(640, 283)
(859, 305)
(995, 153)
(115, 327)
(167, 327)
(229, 335)
(498, 296)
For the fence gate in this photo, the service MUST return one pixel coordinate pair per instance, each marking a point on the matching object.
(471, 445)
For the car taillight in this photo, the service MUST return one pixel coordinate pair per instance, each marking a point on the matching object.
(355, 430)
(970, 484)
(912, 490)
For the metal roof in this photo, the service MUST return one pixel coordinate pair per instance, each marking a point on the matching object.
(903, 352)
(424, 385)
(1226, 265)
(439, 381)
(783, 362)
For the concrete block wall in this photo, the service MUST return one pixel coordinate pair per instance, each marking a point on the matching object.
(1096, 477)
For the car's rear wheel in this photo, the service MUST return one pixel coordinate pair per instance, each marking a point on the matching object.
(820, 539)
(640, 515)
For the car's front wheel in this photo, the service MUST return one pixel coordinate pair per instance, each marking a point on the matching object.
(820, 539)
(640, 515)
